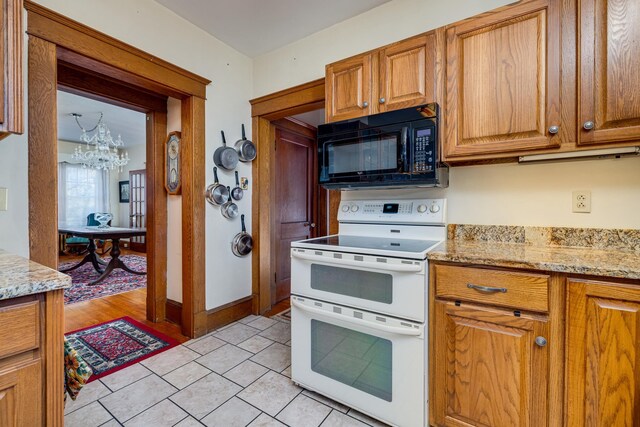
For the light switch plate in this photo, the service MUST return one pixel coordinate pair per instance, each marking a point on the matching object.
(4, 195)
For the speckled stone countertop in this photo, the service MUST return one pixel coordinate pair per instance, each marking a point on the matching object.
(19, 276)
(599, 252)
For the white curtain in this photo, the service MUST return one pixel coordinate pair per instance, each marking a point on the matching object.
(81, 191)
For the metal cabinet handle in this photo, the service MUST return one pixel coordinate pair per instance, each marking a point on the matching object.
(554, 129)
(486, 289)
(382, 100)
(588, 125)
(541, 341)
(365, 104)
(310, 224)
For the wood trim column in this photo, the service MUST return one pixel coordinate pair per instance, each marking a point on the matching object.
(53, 355)
(156, 217)
(43, 154)
(194, 315)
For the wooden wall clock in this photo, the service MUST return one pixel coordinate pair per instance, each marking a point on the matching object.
(172, 179)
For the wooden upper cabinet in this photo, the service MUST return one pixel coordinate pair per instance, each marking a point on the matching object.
(488, 369)
(348, 88)
(407, 73)
(603, 349)
(11, 51)
(609, 71)
(503, 81)
(399, 75)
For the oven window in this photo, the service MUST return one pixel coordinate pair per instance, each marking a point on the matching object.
(359, 360)
(366, 285)
(364, 155)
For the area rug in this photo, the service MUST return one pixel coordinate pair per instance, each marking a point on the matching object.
(118, 281)
(114, 345)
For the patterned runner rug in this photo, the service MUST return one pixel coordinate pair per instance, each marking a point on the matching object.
(114, 345)
(119, 281)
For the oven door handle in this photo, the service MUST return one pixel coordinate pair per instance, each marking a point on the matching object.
(384, 328)
(401, 268)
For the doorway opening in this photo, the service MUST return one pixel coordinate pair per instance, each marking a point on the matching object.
(289, 204)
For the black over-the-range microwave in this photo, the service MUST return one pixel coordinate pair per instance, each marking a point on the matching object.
(396, 148)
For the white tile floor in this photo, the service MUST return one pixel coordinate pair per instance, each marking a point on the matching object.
(236, 376)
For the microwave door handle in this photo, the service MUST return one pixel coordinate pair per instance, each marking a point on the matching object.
(384, 328)
(400, 268)
(404, 134)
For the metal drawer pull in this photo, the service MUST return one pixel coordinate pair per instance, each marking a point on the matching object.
(486, 289)
(541, 341)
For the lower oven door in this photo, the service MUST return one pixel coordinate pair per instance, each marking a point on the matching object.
(372, 363)
(391, 286)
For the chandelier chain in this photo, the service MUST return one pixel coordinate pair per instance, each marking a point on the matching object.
(76, 115)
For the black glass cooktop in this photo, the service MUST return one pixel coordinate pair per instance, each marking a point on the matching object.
(373, 243)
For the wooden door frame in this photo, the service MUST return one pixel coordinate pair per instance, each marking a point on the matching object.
(265, 110)
(54, 38)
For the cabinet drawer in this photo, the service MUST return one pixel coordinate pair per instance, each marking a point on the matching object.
(522, 291)
(20, 328)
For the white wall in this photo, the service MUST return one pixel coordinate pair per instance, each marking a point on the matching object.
(537, 194)
(65, 152)
(153, 28)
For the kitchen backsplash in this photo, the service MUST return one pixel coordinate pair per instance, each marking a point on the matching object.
(597, 238)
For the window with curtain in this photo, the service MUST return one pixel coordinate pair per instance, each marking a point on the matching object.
(81, 191)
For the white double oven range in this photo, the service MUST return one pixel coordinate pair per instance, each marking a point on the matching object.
(359, 308)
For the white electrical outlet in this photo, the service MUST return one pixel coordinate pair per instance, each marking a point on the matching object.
(3, 199)
(581, 201)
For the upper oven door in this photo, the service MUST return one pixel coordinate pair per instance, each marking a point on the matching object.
(364, 155)
(391, 286)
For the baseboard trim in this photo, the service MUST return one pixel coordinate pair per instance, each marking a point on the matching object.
(229, 313)
(173, 311)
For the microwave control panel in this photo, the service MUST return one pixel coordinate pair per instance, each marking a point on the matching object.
(424, 151)
(418, 211)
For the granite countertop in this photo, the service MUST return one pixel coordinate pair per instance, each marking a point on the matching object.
(20, 276)
(577, 251)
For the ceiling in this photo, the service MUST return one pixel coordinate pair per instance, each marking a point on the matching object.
(313, 118)
(131, 125)
(254, 27)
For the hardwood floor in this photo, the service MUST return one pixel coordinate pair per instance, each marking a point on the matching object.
(133, 304)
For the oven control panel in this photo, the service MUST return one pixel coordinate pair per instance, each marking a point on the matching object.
(413, 211)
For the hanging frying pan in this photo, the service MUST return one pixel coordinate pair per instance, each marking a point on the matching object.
(229, 209)
(242, 243)
(237, 192)
(245, 148)
(225, 157)
(217, 194)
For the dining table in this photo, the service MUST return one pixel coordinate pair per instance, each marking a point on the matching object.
(94, 233)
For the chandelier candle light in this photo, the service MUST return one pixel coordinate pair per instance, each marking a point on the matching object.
(104, 154)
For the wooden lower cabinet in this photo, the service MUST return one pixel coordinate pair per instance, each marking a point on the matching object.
(21, 395)
(488, 369)
(603, 354)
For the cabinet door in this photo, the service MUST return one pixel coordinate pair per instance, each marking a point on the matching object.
(609, 71)
(407, 73)
(348, 88)
(488, 369)
(503, 81)
(21, 396)
(603, 349)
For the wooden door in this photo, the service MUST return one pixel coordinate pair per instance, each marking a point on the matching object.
(609, 71)
(348, 88)
(295, 199)
(603, 349)
(488, 370)
(138, 207)
(503, 81)
(407, 73)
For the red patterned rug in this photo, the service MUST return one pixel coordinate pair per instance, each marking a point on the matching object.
(114, 345)
(118, 281)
